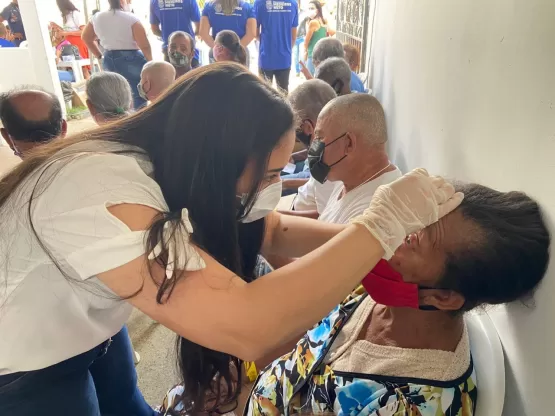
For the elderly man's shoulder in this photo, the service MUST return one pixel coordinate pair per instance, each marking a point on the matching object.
(7, 160)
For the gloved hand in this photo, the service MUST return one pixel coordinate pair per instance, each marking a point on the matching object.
(407, 205)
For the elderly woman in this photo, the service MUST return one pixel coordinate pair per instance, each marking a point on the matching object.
(109, 97)
(401, 346)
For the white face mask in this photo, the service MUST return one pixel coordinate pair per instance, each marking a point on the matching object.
(266, 202)
(312, 13)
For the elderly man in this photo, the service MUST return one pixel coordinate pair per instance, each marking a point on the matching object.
(307, 100)
(332, 48)
(181, 52)
(351, 135)
(156, 77)
(336, 72)
(30, 118)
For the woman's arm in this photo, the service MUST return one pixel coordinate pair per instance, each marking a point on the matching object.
(250, 33)
(204, 31)
(89, 37)
(312, 27)
(139, 34)
(215, 308)
(295, 236)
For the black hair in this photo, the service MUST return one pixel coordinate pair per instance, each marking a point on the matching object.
(231, 41)
(200, 152)
(509, 255)
(318, 6)
(25, 130)
(66, 7)
(115, 5)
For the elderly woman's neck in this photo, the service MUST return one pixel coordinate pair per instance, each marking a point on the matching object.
(413, 328)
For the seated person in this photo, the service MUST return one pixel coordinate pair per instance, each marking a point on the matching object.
(6, 37)
(156, 77)
(307, 100)
(31, 117)
(109, 97)
(352, 153)
(403, 348)
(352, 56)
(181, 52)
(336, 72)
(331, 48)
(227, 47)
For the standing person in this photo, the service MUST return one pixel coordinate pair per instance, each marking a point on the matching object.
(169, 16)
(299, 44)
(234, 15)
(277, 28)
(181, 52)
(124, 39)
(145, 212)
(12, 15)
(74, 24)
(316, 29)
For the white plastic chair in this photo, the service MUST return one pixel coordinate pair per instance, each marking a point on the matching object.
(489, 364)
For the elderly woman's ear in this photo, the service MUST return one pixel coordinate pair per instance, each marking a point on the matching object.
(442, 299)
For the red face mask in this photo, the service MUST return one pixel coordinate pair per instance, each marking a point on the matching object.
(387, 287)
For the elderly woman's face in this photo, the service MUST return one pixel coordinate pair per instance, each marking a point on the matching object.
(421, 258)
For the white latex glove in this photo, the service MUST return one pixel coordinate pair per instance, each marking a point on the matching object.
(407, 205)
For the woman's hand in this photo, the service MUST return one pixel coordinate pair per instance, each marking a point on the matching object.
(305, 71)
(407, 205)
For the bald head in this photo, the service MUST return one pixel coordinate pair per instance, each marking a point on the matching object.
(327, 48)
(156, 77)
(359, 114)
(337, 73)
(309, 98)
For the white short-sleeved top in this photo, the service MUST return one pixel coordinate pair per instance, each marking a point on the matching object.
(44, 317)
(314, 195)
(114, 29)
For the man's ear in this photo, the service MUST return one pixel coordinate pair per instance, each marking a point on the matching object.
(64, 129)
(350, 143)
(442, 299)
(307, 127)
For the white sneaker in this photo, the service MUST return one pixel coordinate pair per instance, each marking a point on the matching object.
(137, 357)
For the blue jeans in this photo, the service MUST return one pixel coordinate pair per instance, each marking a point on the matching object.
(297, 54)
(129, 64)
(310, 65)
(101, 381)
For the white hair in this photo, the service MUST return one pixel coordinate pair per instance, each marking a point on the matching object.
(310, 97)
(337, 73)
(327, 48)
(110, 94)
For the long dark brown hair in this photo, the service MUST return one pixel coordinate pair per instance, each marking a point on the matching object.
(66, 7)
(199, 137)
(320, 14)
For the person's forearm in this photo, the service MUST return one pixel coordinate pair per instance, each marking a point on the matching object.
(304, 214)
(292, 236)
(208, 40)
(245, 40)
(93, 48)
(72, 33)
(156, 31)
(147, 52)
(293, 183)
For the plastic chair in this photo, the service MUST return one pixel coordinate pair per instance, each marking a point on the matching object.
(489, 364)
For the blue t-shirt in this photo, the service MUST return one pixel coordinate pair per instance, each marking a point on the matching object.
(174, 15)
(12, 15)
(6, 43)
(277, 18)
(356, 83)
(236, 21)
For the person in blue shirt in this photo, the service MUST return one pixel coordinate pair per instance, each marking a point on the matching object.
(277, 22)
(169, 16)
(234, 15)
(5, 37)
(12, 16)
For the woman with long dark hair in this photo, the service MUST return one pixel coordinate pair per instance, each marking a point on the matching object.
(73, 25)
(167, 210)
(234, 15)
(227, 47)
(125, 42)
(316, 29)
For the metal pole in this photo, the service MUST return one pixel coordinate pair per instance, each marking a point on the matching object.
(86, 11)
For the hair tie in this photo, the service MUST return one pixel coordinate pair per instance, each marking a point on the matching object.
(120, 110)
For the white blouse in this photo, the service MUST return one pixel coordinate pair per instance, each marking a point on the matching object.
(73, 21)
(46, 317)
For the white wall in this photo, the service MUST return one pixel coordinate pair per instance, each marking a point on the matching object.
(469, 91)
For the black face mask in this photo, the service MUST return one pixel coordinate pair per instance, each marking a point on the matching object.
(318, 169)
